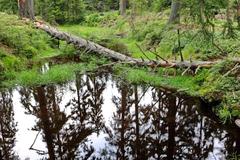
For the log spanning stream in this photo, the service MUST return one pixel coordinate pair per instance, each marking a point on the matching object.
(96, 116)
(89, 46)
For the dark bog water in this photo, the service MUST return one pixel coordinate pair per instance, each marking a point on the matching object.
(96, 117)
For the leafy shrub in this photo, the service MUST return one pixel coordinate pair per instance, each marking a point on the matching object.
(118, 47)
(22, 37)
(29, 51)
(93, 19)
(225, 114)
(101, 19)
(114, 45)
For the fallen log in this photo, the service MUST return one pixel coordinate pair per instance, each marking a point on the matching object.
(80, 43)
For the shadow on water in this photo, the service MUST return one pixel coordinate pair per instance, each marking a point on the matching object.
(97, 117)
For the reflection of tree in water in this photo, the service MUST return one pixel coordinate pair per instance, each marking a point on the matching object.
(121, 123)
(129, 128)
(66, 133)
(7, 127)
(168, 127)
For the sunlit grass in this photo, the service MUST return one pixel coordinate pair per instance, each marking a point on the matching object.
(56, 74)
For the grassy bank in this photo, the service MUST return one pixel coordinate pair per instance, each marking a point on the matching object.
(24, 49)
(21, 44)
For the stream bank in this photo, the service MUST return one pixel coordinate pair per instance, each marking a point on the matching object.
(22, 68)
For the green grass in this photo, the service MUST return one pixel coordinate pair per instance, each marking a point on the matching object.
(97, 34)
(25, 41)
(56, 74)
(185, 84)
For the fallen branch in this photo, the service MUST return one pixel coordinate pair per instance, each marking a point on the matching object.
(185, 71)
(158, 56)
(237, 66)
(37, 150)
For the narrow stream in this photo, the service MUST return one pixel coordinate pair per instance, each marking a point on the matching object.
(98, 117)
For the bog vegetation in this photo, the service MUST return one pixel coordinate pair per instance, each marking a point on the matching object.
(177, 30)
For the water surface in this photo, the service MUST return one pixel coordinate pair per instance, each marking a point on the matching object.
(98, 117)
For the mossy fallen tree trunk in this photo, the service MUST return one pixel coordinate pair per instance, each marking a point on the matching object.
(81, 43)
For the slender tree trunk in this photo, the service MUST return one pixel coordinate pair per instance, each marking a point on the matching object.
(202, 14)
(229, 30)
(175, 12)
(26, 9)
(30, 4)
(123, 7)
(238, 13)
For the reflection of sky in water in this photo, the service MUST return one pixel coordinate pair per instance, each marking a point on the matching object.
(25, 136)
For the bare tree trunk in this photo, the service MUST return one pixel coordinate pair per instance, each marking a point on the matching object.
(238, 13)
(123, 7)
(26, 9)
(202, 14)
(30, 4)
(229, 30)
(175, 12)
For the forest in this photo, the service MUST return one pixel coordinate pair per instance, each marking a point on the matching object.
(120, 79)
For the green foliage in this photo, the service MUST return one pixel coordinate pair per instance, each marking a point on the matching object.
(101, 19)
(114, 45)
(22, 37)
(9, 6)
(101, 5)
(234, 156)
(11, 63)
(222, 83)
(61, 11)
(159, 5)
(224, 114)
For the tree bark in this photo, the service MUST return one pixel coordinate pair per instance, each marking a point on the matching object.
(26, 9)
(123, 7)
(175, 12)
